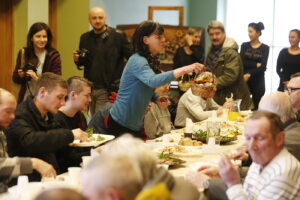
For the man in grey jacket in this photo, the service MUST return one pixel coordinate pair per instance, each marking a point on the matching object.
(10, 167)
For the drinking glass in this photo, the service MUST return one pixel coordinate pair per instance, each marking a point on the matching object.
(213, 132)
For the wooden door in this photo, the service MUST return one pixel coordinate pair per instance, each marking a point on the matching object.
(53, 21)
(6, 44)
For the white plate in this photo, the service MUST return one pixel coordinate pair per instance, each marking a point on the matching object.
(191, 151)
(76, 143)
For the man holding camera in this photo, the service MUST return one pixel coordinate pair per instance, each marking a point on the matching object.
(102, 52)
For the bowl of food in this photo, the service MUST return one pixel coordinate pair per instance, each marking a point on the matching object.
(204, 85)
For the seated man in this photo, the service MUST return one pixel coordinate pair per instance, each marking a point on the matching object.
(274, 171)
(33, 133)
(294, 92)
(70, 116)
(280, 103)
(11, 167)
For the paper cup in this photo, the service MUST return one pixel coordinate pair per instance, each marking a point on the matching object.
(74, 175)
(22, 181)
(86, 160)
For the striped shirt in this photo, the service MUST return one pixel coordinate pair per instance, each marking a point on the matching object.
(280, 179)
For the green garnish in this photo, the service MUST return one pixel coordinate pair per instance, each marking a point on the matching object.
(90, 132)
(200, 134)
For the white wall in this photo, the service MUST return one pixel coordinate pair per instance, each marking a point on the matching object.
(134, 11)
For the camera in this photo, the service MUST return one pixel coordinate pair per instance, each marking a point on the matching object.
(83, 53)
(27, 67)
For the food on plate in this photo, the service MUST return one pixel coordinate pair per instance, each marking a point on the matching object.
(169, 159)
(226, 136)
(189, 142)
(95, 137)
(200, 135)
(90, 132)
(173, 149)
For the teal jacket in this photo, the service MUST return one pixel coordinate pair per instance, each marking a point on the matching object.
(137, 86)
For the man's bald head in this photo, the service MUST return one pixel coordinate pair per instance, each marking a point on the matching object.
(96, 9)
(4, 94)
(97, 18)
(279, 103)
(8, 106)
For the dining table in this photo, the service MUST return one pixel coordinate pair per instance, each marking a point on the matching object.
(192, 158)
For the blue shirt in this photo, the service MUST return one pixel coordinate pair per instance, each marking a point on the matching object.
(137, 86)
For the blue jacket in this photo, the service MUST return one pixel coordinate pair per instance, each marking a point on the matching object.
(137, 86)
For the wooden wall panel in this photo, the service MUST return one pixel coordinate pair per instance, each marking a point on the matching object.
(6, 44)
(53, 20)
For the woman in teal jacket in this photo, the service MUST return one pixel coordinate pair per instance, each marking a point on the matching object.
(139, 79)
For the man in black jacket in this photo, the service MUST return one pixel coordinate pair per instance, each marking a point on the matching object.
(33, 133)
(12, 167)
(104, 60)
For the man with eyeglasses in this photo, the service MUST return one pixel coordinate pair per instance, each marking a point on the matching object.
(293, 89)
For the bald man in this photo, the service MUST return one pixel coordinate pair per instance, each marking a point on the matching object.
(104, 60)
(11, 167)
(281, 104)
(293, 90)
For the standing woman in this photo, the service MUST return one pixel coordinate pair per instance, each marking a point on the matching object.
(191, 51)
(288, 61)
(255, 55)
(36, 58)
(139, 79)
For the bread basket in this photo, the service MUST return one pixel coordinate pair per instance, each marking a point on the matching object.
(205, 89)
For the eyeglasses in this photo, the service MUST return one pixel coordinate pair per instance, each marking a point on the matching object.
(291, 89)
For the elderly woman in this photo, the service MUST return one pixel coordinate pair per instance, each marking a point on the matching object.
(197, 102)
(147, 165)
